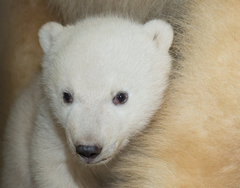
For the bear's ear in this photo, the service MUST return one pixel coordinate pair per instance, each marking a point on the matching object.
(48, 33)
(161, 32)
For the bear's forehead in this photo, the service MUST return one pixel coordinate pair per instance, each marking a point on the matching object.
(107, 55)
(107, 43)
(105, 63)
(105, 37)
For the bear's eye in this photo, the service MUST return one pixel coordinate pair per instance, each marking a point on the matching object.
(67, 97)
(120, 98)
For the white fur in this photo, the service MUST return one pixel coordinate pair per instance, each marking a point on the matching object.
(93, 60)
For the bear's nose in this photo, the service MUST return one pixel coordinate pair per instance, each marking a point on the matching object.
(88, 151)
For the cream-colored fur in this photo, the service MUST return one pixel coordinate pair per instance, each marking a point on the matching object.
(94, 61)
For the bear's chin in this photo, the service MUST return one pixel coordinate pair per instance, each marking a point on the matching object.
(95, 162)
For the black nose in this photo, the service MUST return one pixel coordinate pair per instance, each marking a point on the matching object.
(88, 151)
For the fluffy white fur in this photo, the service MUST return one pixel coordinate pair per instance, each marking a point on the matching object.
(92, 60)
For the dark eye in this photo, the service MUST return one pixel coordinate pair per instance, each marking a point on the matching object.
(120, 98)
(67, 97)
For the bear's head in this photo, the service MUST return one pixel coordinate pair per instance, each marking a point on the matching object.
(104, 78)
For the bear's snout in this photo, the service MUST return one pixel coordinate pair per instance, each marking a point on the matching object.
(89, 152)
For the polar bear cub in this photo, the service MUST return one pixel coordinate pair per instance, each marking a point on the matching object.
(102, 81)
